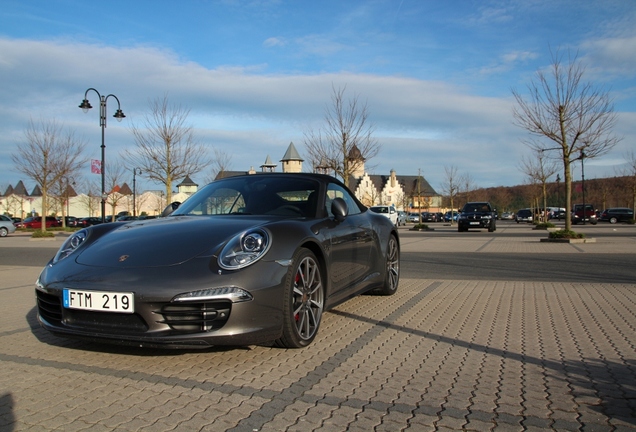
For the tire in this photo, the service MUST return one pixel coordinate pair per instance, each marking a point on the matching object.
(4, 232)
(303, 301)
(392, 278)
(613, 220)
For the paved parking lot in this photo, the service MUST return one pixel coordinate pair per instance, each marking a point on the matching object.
(439, 355)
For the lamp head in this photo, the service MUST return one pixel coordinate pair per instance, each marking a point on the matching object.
(85, 105)
(119, 115)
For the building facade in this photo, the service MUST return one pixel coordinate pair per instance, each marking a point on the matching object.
(404, 192)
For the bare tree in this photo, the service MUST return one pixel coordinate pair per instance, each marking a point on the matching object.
(346, 140)
(62, 192)
(539, 169)
(571, 114)
(466, 186)
(221, 162)
(630, 173)
(49, 154)
(451, 186)
(166, 149)
(114, 178)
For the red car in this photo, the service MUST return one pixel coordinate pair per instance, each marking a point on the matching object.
(36, 222)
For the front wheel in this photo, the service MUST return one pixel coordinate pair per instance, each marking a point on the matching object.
(303, 301)
(4, 232)
(392, 277)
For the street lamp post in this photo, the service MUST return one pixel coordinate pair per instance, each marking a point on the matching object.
(583, 185)
(136, 171)
(119, 115)
(558, 179)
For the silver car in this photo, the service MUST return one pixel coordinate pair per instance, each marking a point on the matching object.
(6, 226)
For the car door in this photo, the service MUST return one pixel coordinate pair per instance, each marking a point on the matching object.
(350, 243)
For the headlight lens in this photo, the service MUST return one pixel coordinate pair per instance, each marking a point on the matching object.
(244, 249)
(70, 245)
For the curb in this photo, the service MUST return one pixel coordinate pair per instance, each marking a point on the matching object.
(566, 240)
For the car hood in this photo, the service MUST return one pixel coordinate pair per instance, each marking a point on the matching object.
(163, 242)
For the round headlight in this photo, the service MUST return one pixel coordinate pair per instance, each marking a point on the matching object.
(244, 249)
(70, 245)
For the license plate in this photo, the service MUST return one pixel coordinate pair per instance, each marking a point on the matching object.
(474, 223)
(99, 301)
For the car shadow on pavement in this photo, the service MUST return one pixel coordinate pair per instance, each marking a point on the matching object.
(7, 412)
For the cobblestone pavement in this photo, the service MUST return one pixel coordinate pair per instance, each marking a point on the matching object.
(439, 355)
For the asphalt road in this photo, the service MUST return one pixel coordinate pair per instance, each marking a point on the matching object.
(459, 265)
(600, 268)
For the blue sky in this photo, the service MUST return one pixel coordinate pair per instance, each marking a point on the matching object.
(436, 75)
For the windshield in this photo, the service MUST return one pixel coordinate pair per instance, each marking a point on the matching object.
(255, 195)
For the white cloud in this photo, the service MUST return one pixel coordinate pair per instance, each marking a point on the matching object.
(274, 42)
(421, 124)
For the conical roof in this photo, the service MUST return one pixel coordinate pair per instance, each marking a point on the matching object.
(291, 154)
(20, 189)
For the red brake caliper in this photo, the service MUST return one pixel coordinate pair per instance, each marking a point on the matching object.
(296, 281)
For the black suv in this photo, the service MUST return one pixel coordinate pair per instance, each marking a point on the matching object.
(477, 215)
(617, 214)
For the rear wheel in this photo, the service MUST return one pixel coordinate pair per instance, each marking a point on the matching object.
(303, 301)
(4, 232)
(392, 277)
(613, 220)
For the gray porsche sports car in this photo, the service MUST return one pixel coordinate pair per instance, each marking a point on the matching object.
(245, 260)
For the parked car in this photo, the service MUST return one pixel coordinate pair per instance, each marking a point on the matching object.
(557, 213)
(507, 216)
(589, 215)
(524, 215)
(439, 217)
(6, 226)
(88, 221)
(245, 260)
(388, 211)
(70, 221)
(477, 215)
(429, 217)
(448, 216)
(36, 222)
(414, 217)
(401, 218)
(617, 214)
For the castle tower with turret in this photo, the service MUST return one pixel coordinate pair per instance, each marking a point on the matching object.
(292, 162)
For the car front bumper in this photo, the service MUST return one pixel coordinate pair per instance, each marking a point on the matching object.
(160, 321)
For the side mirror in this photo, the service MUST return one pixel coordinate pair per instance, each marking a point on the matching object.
(339, 209)
(170, 208)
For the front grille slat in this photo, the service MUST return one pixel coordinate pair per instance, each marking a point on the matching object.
(195, 317)
(49, 306)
